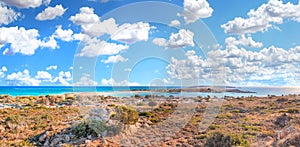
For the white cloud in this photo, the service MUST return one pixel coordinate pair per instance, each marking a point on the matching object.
(43, 75)
(196, 9)
(94, 48)
(127, 69)
(22, 79)
(51, 13)
(63, 78)
(54, 67)
(2, 71)
(99, 28)
(243, 41)
(92, 26)
(182, 39)
(49, 43)
(131, 33)
(7, 15)
(65, 35)
(25, 3)
(174, 23)
(242, 66)
(115, 59)
(24, 41)
(167, 81)
(186, 69)
(86, 80)
(86, 16)
(264, 17)
(46, 2)
(112, 82)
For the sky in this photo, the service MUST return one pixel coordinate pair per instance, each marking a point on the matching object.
(157, 43)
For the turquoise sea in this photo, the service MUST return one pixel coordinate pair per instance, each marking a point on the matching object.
(124, 91)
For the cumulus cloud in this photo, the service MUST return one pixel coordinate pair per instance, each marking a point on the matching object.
(42, 77)
(182, 39)
(263, 18)
(86, 80)
(115, 59)
(112, 82)
(65, 35)
(63, 78)
(131, 33)
(24, 41)
(86, 16)
(126, 33)
(22, 79)
(174, 23)
(2, 71)
(186, 69)
(46, 2)
(243, 41)
(100, 28)
(95, 47)
(91, 25)
(54, 67)
(26, 3)
(195, 9)
(127, 69)
(51, 13)
(7, 15)
(241, 66)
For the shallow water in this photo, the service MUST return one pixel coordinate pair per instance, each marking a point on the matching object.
(115, 91)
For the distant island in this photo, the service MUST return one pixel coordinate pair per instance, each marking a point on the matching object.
(199, 89)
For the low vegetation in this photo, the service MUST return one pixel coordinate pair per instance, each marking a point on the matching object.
(241, 122)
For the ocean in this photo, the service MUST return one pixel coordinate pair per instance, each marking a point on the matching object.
(124, 91)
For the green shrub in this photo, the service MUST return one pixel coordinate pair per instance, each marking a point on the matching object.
(213, 127)
(146, 114)
(248, 128)
(218, 139)
(86, 128)
(235, 111)
(201, 136)
(16, 119)
(126, 115)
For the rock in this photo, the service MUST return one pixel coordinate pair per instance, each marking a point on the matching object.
(2, 129)
(56, 141)
(67, 138)
(47, 143)
(43, 136)
(88, 142)
(146, 125)
(282, 120)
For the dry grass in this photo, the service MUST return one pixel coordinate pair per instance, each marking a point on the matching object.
(22, 124)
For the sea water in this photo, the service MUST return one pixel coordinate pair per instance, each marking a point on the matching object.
(130, 91)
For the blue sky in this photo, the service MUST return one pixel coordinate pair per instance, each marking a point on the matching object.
(167, 42)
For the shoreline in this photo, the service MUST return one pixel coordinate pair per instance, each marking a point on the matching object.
(169, 90)
(97, 98)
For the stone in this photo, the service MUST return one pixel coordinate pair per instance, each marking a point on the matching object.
(2, 129)
(43, 136)
(67, 138)
(47, 143)
(56, 141)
